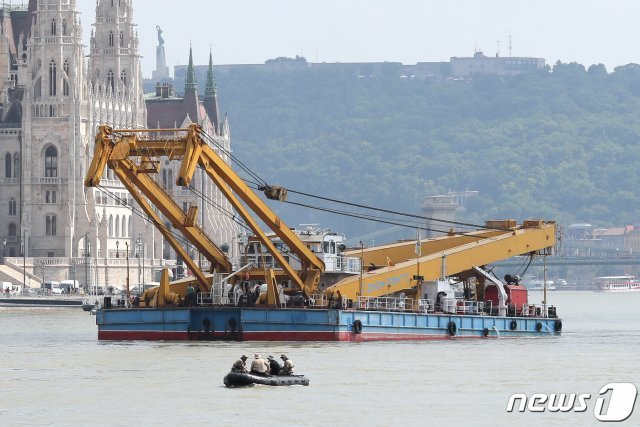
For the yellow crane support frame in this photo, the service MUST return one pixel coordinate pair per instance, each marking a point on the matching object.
(197, 152)
(115, 148)
(533, 236)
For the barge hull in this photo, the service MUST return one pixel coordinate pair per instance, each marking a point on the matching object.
(268, 324)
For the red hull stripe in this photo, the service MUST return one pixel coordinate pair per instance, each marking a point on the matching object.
(273, 336)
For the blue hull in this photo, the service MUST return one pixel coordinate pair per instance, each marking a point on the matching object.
(270, 324)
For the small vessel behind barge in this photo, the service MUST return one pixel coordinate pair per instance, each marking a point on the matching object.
(303, 285)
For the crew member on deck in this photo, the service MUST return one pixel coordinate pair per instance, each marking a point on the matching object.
(259, 366)
(274, 366)
(287, 367)
(239, 365)
(191, 296)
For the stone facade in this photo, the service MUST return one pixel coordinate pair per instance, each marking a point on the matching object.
(52, 103)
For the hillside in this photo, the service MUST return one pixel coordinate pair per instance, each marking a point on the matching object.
(560, 144)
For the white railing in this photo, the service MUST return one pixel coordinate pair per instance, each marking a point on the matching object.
(426, 306)
(385, 303)
(318, 300)
(469, 307)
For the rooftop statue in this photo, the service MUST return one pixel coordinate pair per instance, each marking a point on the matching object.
(160, 39)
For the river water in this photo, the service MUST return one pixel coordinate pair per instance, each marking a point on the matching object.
(53, 371)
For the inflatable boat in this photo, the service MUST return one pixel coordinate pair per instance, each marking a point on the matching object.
(239, 379)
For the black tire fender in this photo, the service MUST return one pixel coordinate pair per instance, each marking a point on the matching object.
(357, 326)
(558, 326)
(513, 325)
(485, 332)
(452, 328)
(538, 327)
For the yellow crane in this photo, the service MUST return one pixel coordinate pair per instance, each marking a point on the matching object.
(133, 155)
(446, 256)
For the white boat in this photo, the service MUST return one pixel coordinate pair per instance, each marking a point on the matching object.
(625, 283)
(537, 285)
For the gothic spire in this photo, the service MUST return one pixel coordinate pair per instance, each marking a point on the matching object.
(211, 88)
(190, 82)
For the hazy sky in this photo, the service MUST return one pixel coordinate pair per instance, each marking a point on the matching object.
(408, 31)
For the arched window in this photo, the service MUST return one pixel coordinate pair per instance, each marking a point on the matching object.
(130, 230)
(51, 162)
(64, 27)
(53, 27)
(52, 78)
(110, 225)
(117, 226)
(170, 179)
(121, 37)
(12, 206)
(7, 165)
(16, 166)
(65, 78)
(124, 226)
(111, 38)
(123, 77)
(12, 230)
(51, 225)
(110, 79)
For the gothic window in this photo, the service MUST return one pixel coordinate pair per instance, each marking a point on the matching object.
(111, 38)
(7, 165)
(52, 78)
(51, 162)
(51, 225)
(121, 39)
(50, 197)
(16, 166)
(170, 179)
(64, 27)
(130, 226)
(123, 77)
(12, 230)
(111, 3)
(65, 79)
(117, 226)
(12, 206)
(53, 27)
(110, 79)
(124, 226)
(164, 178)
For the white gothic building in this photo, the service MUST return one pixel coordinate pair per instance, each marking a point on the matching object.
(53, 98)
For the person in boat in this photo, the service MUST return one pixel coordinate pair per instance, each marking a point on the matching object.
(274, 366)
(259, 366)
(240, 364)
(287, 367)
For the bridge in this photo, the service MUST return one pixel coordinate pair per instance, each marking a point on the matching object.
(557, 260)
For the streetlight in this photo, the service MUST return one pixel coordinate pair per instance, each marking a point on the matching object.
(24, 259)
(127, 255)
(42, 270)
(87, 249)
(117, 246)
(140, 248)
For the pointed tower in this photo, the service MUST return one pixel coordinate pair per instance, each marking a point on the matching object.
(114, 62)
(52, 132)
(211, 97)
(191, 104)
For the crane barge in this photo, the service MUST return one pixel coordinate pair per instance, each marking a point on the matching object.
(312, 288)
